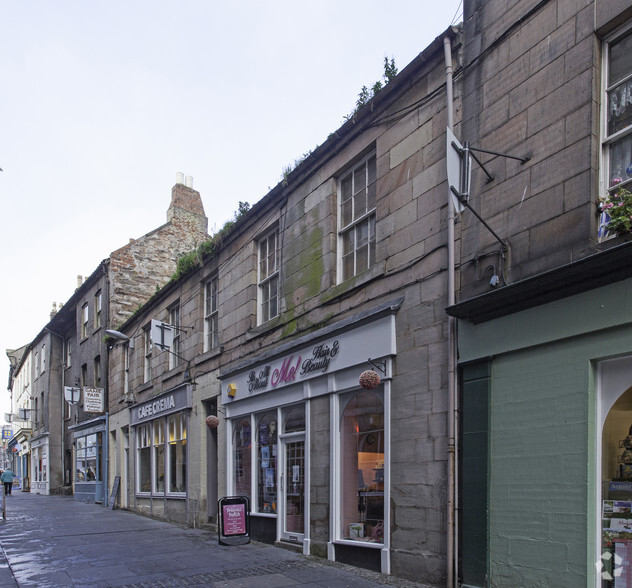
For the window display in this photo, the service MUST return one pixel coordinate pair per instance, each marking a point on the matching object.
(241, 458)
(362, 468)
(267, 460)
(616, 505)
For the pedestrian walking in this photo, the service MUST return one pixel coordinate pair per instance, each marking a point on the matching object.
(6, 477)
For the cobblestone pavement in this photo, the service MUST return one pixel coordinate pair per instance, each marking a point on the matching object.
(54, 541)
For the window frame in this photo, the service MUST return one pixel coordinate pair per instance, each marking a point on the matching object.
(174, 321)
(355, 216)
(211, 313)
(350, 478)
(98, 307)
(608, 139)
(147, 354)
(268, 281)
(85, 319)
(154, 448)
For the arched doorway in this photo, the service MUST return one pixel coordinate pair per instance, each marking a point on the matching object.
(614, 560)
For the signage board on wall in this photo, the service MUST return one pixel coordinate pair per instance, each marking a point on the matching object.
(349, 348)
(162, 405)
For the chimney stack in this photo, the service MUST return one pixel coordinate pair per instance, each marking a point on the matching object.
(53, 312)
(179, 178)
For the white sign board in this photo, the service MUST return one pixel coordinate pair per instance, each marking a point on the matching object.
(454, 160)
(93, 400)
(161, 334)
(72, 394)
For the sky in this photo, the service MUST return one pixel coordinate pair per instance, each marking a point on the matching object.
(102, 103)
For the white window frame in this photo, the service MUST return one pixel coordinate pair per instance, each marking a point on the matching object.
(211, 313)
(609, 139)
(268, 276)
(337, 405)
(355, 213)
(144, 438)
(85, 318)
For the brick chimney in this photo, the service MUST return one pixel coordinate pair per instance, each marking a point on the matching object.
(185, 198)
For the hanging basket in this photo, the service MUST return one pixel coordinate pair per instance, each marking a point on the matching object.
(212, 422)
(369, 380)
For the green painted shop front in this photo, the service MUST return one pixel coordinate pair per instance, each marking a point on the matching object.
(546, 399)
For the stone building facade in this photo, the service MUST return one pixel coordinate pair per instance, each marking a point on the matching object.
(545, 357)
(136, 269)
(69, 446)
(337, 271)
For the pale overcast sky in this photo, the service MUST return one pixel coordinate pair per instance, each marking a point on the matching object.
(102, 103)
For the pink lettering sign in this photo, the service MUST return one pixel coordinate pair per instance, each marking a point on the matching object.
(287, 373)
(234, 519)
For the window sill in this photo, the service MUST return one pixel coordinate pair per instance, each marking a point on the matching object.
(210, 354)
(355, 282)
(264, 328)
(356, 543)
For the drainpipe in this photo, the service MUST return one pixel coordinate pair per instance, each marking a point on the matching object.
(451, 575)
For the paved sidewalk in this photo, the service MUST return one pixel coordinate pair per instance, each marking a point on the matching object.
(51, 541)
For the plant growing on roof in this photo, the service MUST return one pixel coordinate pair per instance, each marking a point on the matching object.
(617, 205)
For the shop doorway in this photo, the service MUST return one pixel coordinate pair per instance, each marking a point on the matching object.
(292, 482)
(292, 474)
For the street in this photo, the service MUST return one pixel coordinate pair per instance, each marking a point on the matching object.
(52, 541)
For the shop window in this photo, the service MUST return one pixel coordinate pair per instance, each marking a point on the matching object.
(616, 503)
(242, 458)
(177, 463)
(356, 218)
(158, 447)
(143, 458)
(267, 463)
(362, 468)
(88, 451)
(294, 419)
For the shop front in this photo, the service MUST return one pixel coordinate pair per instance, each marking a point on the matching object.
(309, 446)
(159, 435)
(40, 473)
(90, 459)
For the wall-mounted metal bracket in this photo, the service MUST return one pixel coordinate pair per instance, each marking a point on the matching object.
(380, 365)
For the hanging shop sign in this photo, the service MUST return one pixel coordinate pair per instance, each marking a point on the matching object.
(93, 400)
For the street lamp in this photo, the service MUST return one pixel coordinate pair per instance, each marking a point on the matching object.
(120, 337)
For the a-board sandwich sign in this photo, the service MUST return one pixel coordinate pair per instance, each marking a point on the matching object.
(234, 520)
